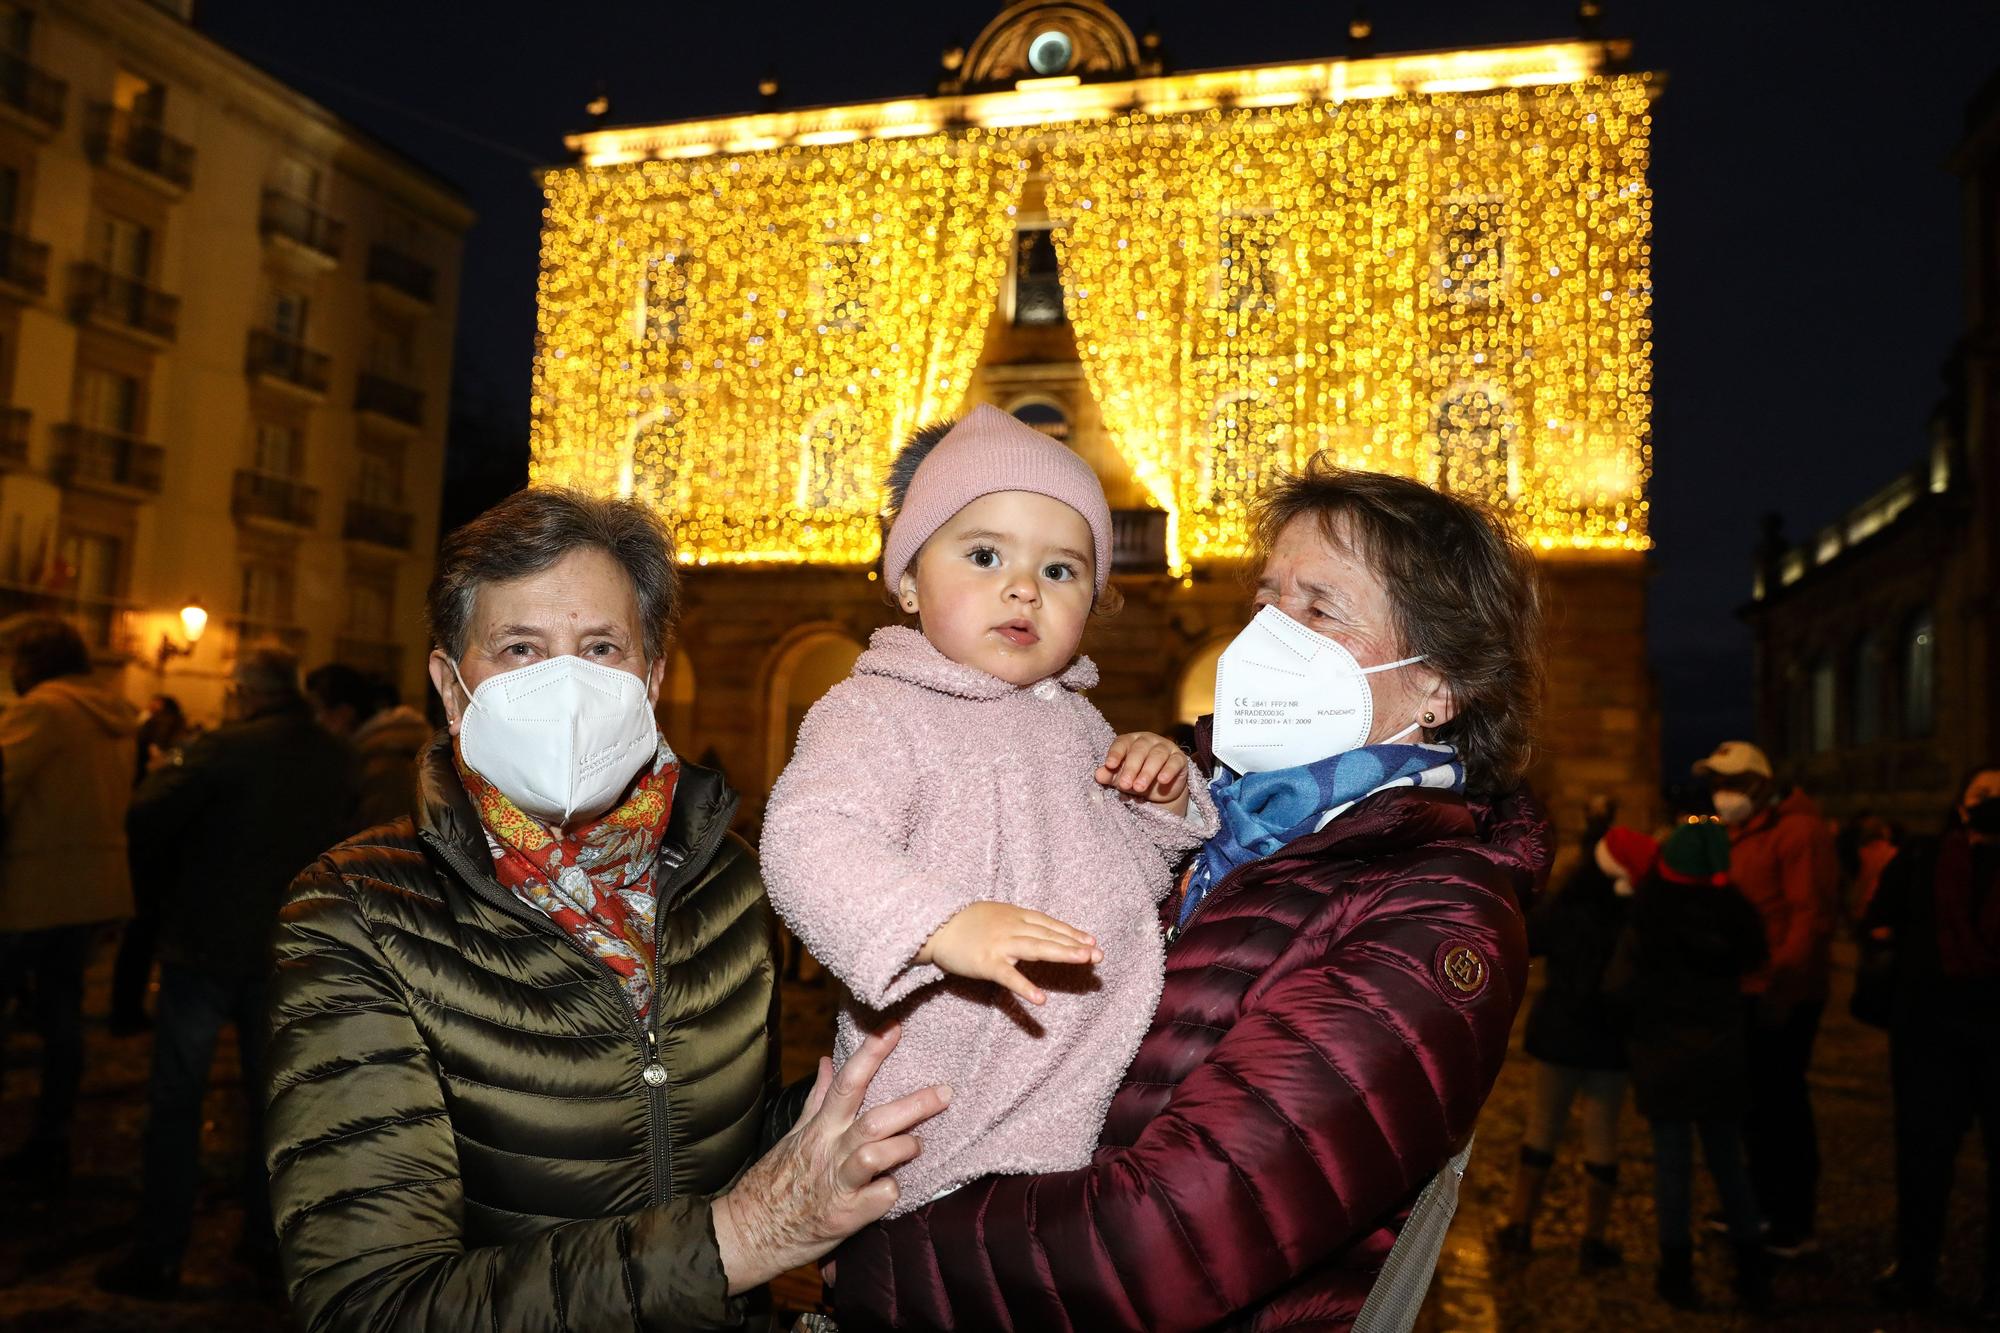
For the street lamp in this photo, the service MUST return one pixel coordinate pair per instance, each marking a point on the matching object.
(194, 620)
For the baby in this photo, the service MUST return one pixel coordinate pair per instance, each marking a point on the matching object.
(956, 809)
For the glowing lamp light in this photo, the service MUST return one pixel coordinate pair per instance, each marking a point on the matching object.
(194, 621)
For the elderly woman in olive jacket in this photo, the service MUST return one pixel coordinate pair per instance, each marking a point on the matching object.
(470, 1125)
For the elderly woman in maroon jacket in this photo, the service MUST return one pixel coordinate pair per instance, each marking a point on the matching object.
(1345, 961)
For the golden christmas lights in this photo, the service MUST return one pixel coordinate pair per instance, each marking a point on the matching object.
(1454, 286)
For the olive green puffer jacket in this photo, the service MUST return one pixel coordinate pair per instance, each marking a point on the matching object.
(462, 1133)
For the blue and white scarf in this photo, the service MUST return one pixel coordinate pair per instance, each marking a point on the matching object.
(1261, 812)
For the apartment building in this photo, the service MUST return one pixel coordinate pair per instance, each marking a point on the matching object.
(225, 350)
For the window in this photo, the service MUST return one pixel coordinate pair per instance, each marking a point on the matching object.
(120, 245)
(138, 96)
(1919, 674)
(378, 474)
(93, 566)
(390, 352)
(1047, 418)
(660, 312)
(10, 197)
(1475, 454)
(107, 401)
(834, 471)
(1247, 278)
(371, 604)
(1823, 684)
(17, 28)
(840, 285)
(1246, 435)
(1038, 294)
(281, 449)
(1470, 252)
(299, 179)
(288, 313)
(266, 591)
(1865, 707)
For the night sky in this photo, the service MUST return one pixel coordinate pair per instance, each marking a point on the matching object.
(1807, 229)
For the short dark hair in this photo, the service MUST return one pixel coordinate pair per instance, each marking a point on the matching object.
(338, 684)
(45, 647)
(910, 457)
(1464, 592)
(531, 530)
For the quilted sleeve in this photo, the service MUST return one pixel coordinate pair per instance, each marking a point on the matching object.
(365, 1184)
(833, 851)
(1337, 1093)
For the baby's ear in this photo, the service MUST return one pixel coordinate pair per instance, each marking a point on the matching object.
(906, 592)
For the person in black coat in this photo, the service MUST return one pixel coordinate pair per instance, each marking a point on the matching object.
(1576, 1042)
(1691, 938)
(1938, 910)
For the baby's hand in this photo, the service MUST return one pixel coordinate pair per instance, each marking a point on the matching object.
(986, 940)
(1141, 762)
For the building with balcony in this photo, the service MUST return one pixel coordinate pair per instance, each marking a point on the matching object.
(225, 342)
(1434, 264)
(1878, 636)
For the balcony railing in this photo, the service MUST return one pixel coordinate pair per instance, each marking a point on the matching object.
(86, 456)
(403, 273)
(34, 94)
(299, 222)
(381, 656)
(13, 437)
(275, 499)
(388, 398)
(281, 358)
(1138, 540)
(379, 525)
(100, 619)
(139, 142)
(24, 264)
(99, 294)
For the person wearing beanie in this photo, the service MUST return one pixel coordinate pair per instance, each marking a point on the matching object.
(957, 811)
(1676, 972)
(1576, 1043)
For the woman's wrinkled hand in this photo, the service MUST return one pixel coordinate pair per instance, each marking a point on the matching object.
(826, 1179)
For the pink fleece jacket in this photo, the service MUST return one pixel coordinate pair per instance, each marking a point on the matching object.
(920, 786)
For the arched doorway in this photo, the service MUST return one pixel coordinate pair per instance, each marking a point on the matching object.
(807, 664)
(1196, 694)
(675, 710)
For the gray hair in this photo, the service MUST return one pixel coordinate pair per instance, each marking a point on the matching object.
(534, 528)
(267, 671)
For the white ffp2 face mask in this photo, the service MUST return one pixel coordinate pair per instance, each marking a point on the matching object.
(561, 739)
(1285, 696)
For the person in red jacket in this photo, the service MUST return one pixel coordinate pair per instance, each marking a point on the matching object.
(1343, 967)
(1782, 857)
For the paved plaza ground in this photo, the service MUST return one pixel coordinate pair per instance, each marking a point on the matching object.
(48, 1250)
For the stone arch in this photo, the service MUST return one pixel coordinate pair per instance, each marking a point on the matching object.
(807, 662)
(1194, 690)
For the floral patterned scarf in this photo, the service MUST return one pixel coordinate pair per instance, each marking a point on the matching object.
(594, 880)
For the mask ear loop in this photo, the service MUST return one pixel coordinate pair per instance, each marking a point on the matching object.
(463, 686)
(1390, 666)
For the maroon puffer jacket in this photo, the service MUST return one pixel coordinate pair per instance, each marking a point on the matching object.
(1334, 1017)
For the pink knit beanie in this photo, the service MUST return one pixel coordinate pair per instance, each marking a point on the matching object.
(990, 450)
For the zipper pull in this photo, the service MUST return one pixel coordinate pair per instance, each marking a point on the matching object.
(655, 1073)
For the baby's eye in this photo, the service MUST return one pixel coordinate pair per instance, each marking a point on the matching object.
(1059, 572)
(984, 557)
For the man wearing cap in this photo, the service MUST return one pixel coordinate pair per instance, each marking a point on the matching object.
(1782, 858)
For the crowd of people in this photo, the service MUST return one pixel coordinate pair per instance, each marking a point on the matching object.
(1693, 969)
(187, 836)
(504, 993)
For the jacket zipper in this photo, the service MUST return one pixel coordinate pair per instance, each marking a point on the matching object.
(653, 1074)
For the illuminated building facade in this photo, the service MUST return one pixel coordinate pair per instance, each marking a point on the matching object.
(225, 344)
(1436, 265)
(1877, 637)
